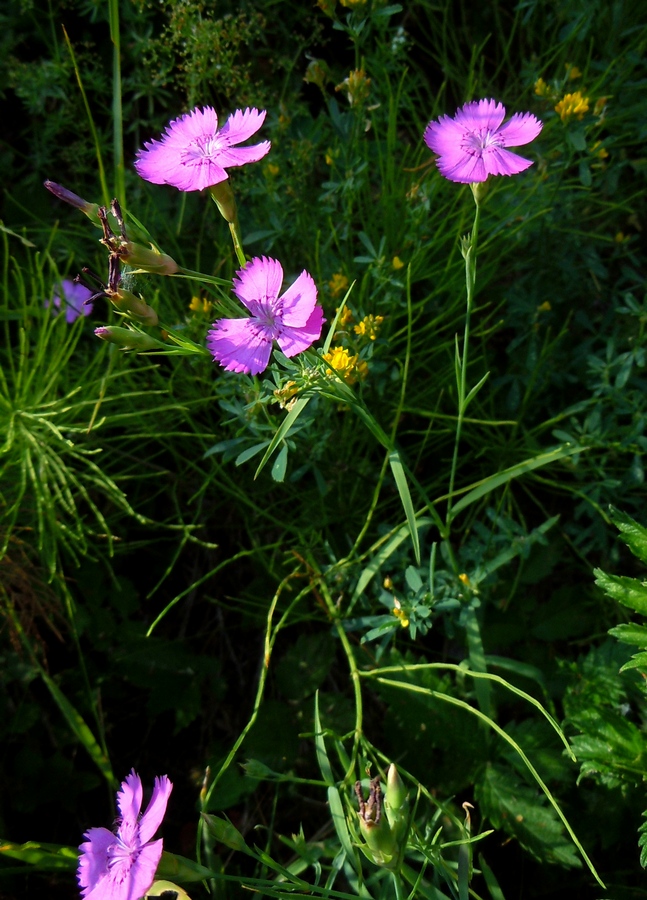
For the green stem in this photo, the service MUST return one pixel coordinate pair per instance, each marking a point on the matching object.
(270, 637)
(354, 674)
(469, 253)
(117, 112)
(236, 237)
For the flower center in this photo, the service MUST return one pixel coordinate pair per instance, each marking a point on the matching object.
(267, 317)
(476, 142)
(207, 146)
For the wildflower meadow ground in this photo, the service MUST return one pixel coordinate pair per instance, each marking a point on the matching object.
(322, 426)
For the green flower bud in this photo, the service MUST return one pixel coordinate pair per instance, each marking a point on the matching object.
(223, 197)
(129, 303)
(381, 846)
(127, 339)
(395, 803)
(90, 209)
(150, 260)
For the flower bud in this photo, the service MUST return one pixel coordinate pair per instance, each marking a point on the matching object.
(149, 260)
(479, 190)
(223, 197)
(128, 303)
(90, 209)
(395, 803)
(381, 846)
(127, 339)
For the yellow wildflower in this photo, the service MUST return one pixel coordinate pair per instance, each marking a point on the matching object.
(346, 366)
(397, 263)
(572, 72)
(369, 326)
(400, 613)
(598, 150)
(572, 105)
(541, 88)
(200, 304)
(345, 318)
(464, 578)
(544, 307)
(338, 284)
(286, 394)
(357, 87)
(272, 170)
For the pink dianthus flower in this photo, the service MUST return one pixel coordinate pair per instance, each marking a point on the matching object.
(122, 865)
(474, 144)
(194, 153)
(293, 319)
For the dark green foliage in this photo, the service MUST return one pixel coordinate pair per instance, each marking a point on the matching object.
(153, 579)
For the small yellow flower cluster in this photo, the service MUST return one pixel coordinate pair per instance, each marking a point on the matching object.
(200, 305)
(572, 72)
(338, 285)
(400, 613)
(598, 150)
(369, 326)
(572, 105)
(397, 263)
(345, 318)
(287, 394)
(271, 170)
(356, 87)
(542, 89)
(348, 367)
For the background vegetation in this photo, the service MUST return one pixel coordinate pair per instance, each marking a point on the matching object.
(140, 558)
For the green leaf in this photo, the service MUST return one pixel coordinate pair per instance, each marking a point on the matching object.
(633, 534)
(282, 431)
(280, 465)
(44, 857)
(489, 484)
(405, 496)
(637, 661)
(224, 832)
(628, 591)
(80, 729)
(520, 810)
(631, 634)
(250, 452)
(182, 869)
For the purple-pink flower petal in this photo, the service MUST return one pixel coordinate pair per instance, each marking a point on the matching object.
(193, 153)
(258, 283)
(299, 301)
(142, 873)
(240, 345)
(296, 340)
(152, 818)
(292, 319)
(474, 144)
(520, 129)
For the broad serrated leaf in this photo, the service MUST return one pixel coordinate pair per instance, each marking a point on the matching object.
(633, 534)
(637, 661)
(642, 842)
(521, 811)
(628, 591)
(631, 634)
